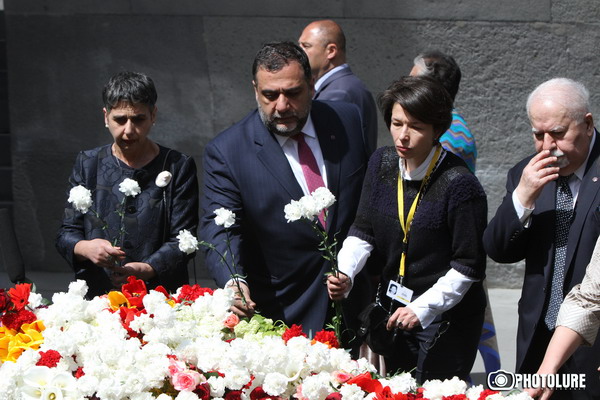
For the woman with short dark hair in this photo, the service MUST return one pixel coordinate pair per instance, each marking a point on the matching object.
(422, 213)
(130, 235)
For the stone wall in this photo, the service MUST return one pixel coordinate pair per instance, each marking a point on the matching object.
(61, 52)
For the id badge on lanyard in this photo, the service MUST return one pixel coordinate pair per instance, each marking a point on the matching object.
(397, 291)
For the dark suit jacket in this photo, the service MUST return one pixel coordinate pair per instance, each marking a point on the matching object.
(507, 241)
(345, 86)
(246, 171)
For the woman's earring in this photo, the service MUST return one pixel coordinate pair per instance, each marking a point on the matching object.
(106, 125)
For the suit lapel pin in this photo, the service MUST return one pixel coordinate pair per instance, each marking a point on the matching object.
(595, 179)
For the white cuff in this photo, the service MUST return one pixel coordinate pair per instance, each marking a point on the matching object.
(522, 212)
(353, 256)
(231, 282)
(441, 297)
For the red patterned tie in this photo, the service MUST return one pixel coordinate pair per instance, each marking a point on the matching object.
(310, 169)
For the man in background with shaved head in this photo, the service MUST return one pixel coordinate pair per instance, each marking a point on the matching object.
(325, 44)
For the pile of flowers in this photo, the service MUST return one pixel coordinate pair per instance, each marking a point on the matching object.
(140, 345)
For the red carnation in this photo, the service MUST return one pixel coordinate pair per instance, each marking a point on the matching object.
(134, 290)
(14, 320)
(259, 394)
(191, 293)
(293, 331)
(366, 383)
(233, 395)
(334, 396)
(19, 295)
(487, 392)
(4, 301)
(455, 397)
(203, 391)
(327, 337)
(79, 373)
(49, 358)
(386, 394)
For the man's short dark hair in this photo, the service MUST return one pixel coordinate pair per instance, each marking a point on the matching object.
(422, 97)
(274, 56)
(130, 87)
(442, 67)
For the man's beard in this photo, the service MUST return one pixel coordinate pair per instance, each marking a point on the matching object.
(282, 130)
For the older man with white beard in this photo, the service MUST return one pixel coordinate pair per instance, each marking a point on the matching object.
(550, 217)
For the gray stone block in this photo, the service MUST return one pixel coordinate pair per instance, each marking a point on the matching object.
(469, 10)
(580, 11)
(258, 8)
(62, 73)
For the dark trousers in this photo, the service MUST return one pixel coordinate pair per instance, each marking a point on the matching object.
(446, 348)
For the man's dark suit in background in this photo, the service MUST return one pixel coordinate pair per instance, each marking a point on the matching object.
(325, 44)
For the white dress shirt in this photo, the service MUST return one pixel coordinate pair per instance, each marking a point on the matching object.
(290, 149)
(442, 296)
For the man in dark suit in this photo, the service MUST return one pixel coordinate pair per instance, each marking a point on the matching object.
(325, 44)
(254, 169)
(550, 217)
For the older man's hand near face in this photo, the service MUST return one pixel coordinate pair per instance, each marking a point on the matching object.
(536, 174)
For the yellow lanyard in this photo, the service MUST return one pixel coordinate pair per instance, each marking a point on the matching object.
(413, 208)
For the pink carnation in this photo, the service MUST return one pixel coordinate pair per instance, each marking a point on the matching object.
(186, 380)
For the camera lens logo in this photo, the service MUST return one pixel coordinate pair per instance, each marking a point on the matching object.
(501, 380)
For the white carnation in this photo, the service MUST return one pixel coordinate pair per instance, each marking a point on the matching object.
(217, 386)
(275, 383)
(401, 383)
(81, 198)
(78, 288)
(352, 392)
(35, 300)
(224, 217)
(293, 211)
(436, 389)
(317, 387)
(323, 198)
(236, 378)
(129, 187)
(163, 179)
(187, 242)
(186, 396)
(309, 207)
(474, 392)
